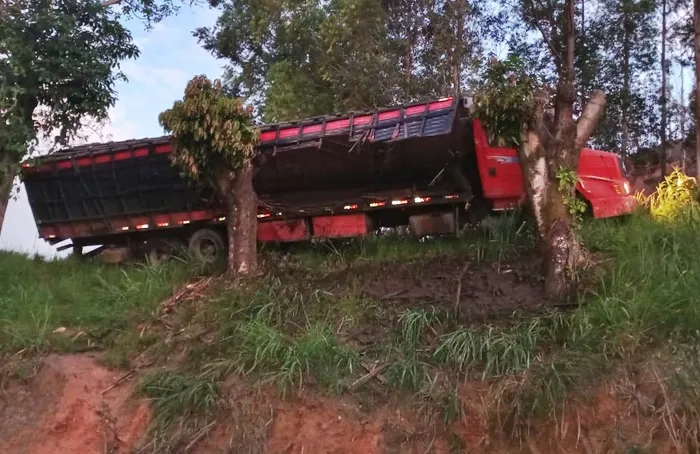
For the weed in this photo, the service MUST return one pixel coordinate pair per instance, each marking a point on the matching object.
(175, 395)
(317, 353)
(496, 351)
(413, 324)
(676, 198)
(182, 401)
(452, 408)
(407, 371)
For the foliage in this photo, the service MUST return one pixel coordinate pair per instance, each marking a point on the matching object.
(150, 11)
(677, 197)
(505, 98)
(619, 56)
(60, 56)
(210, 130)
(568, 179)
(299, 58)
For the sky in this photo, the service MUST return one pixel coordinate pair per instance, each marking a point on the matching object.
(170, 57)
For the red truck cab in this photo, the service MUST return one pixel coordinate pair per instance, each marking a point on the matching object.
(602, 181)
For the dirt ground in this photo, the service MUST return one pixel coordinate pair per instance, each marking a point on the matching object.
(64, 411)
(485, 291)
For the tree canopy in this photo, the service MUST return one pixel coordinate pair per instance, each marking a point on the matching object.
(210, 130)
(298, 58)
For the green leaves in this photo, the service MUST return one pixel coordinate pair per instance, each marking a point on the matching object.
(61, 55)
(505, 99)
(211, 130)
(568, 179)
(304, 58)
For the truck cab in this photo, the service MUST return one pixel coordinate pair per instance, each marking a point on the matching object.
(602, 180)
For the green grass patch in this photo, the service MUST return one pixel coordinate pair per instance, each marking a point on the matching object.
(38, 296)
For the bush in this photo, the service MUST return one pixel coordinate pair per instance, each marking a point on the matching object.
(676, 197)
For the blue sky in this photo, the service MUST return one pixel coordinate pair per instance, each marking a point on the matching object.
(170, 56)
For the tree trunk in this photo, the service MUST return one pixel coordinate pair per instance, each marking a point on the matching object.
(626, 70)
(696, 27)
(5, 189)
(664, 89)
(245, 256)
(548, 146)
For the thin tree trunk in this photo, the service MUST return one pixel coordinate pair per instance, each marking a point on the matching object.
(664, 89)
(626, 45)
(231, 227)
(5, 189)
(225, 183)
(696, 27)
(245, 241)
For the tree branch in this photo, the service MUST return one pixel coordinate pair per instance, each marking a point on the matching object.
(589, 118)
(108, 3)
(549, 42)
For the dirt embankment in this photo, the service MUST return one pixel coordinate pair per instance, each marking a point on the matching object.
(72, 406)
(65, 410)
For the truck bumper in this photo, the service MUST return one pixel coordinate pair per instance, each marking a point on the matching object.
(613, 206)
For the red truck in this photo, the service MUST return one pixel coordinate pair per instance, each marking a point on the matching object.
(426, 165)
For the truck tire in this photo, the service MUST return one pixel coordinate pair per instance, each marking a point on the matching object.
(160, 251)
(208, 247)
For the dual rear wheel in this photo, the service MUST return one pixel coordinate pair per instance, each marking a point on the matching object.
(205, 246)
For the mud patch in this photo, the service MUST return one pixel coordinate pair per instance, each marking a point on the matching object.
(65, 411)
(478, 291)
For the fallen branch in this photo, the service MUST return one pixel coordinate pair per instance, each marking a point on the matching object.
(125, 377)
(200, 435)
(378, 376)
(373, 372)
(119, 381)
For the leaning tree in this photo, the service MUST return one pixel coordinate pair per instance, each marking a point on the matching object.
(539, 118)
(214, 142)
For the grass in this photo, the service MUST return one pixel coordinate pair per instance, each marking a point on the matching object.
(37, 297)
(185, 402)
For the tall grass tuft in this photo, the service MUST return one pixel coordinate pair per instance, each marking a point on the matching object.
(316, 353)
(676, 198)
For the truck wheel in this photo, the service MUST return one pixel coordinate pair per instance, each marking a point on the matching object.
(161, 251)
(208, 247)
